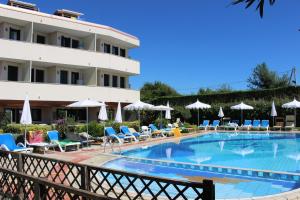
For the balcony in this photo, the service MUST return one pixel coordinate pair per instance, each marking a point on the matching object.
(18, 50)
(57, 92)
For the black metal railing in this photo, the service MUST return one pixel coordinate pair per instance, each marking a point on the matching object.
(96, 180)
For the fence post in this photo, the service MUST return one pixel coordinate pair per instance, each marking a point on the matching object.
(208, 190)
(20, 180)
(85, 178)
(39, 191)
(19, 162)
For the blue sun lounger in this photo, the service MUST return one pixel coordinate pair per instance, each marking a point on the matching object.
(8, 143)
(247, 124)
(256, 124)
(204, 125)
(63, 144)
(110, 132)
(215, 124)
(125, 130)
(156, 132)
(265, 124)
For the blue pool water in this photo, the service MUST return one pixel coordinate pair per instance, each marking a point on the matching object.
(257, 151)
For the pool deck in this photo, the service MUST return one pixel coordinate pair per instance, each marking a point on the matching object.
(95, 156)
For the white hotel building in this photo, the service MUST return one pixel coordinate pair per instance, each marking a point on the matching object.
(58, 59)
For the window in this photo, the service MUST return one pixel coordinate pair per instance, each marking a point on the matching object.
(106, 80)
(106, 48)
(115, 81)
(12, 73)
(74, 78)
(36, 115)
(63, 77)
(75, 44)
(40, 76)
(40, 39)
(65, 42)
(115, 50)
(123, 52)
(32, 75)
(122, 82)
(15, 114)
(14, 34)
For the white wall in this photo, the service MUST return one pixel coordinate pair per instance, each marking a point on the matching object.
(23, 70)
(53, 92)
(61, 22)
(66, 56)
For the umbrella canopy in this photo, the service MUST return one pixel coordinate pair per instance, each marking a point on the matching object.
(26, 113)
(162, 108)
(103, 113)
(26, 116)
(87, 103)
(293, 105)
(242, 107)
(168, 112)
(118, 117)
(273, 111)
(198, 105)
(138, 106)
(221, 113)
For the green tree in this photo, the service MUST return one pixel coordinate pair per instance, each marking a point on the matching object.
(203, 91)
(222, 89)
(157, 89)
(264, 78)
(260, 4)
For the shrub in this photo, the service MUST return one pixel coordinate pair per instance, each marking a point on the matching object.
(20, 129)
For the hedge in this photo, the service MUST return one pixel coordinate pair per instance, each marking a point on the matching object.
(95, 128)
(261, 100)
(235, 96)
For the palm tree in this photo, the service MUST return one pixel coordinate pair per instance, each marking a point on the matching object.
(260, 5)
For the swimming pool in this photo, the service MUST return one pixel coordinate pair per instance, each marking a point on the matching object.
(219, 156)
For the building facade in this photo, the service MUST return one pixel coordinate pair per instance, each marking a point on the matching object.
(58, 59)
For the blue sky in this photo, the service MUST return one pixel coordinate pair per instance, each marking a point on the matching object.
(198, 43)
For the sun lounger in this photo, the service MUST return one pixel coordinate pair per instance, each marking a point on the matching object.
(204, 125)
(289, 122)
(120, 137)
(214, 125)
(265, 124)
(143, 135)
(247, 125)
(84, 138)
(125, 130)
(231, 126)
(63, 144)
(156, 132)
(36, 140)
(8, 143)
(256, 124)
(146, 130)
